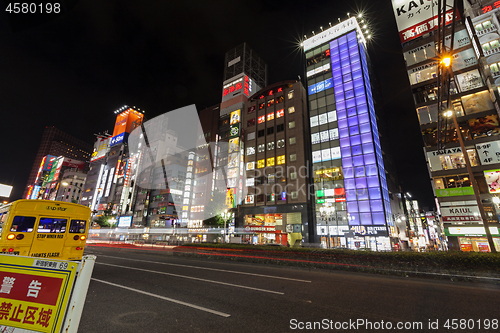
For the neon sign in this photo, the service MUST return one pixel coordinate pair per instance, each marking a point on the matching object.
(489, 8)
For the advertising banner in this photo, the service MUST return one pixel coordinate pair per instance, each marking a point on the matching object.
(461, 214)
(127, 121)
(493, 180)
(34, 293)
(416, 18)
(452, 192)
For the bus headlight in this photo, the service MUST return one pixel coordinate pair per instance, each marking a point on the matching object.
(11, 236)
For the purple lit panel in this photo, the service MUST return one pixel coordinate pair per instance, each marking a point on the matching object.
(348, 172)
(358, 160)
(345, 142)
(337, 73)
(355, 140)
(342, 123)
(362, 194)
(352, 121)
(349, 184)
(357, 74)
(352, 207)
(366, 218)
(362, 109)
(375, 193)
(340, 105)
(377, 205)
(358, 83)
(344, 61)
(337, 81)
(334, 44)
(346, 162)
(351, 112)
(368, 149)
(361, 100)
(372, 181)
(339, 96)
(345, 152)
(350, 103)
(350, 195)
(348, 85)
(346, 78)
(356, 150)
(360, 182)
(360, 91)
(349, 94)
(355, 65)
(364, 128)
(341, 114)
(343, 133)
(353, 218)
(378, 218)
(354, 130)
(364, 206)
(369, 158)
(363, 118)
(371, 170)
(360, 172)
(366, 138)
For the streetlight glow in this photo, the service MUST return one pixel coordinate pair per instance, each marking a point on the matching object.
(446, 61)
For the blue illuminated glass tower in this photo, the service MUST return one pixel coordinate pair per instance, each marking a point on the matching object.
(350, 193)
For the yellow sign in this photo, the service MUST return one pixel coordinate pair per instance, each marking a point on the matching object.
(229, 198)
(34, 293)
(55, 208)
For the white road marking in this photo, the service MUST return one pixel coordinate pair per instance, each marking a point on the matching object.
(194, 278)
(209, 269)
(222, 314)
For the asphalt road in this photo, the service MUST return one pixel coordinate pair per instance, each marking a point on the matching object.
(134, 291)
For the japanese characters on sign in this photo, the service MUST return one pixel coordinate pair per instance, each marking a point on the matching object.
(34, 293)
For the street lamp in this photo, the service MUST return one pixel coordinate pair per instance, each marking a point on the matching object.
(226, 216)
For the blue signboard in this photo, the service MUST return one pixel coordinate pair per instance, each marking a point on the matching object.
(118, 139)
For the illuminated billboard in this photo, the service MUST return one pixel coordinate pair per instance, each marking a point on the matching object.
(5, 190)
(100, 148)
(124, 221)
(127, 121)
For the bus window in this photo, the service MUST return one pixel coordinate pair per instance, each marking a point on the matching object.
(52, 225)
(23, 224)
(77, 226)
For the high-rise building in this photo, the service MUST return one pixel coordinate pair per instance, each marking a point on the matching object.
(57, 143)
(351, 198)
(463, 89)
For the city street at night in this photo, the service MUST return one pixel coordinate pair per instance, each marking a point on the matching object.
(144, 291)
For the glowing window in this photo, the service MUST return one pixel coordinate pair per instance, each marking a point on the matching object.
(281, 159)
(291, 124)
(290, 94)
(291, 109)
(261, 119)
(270, 102)
(280, 113)
(292, 140)
(281, 143)
(280, 99)
(270, 161)
(270, 116)
(250, 151)
(261, 148)
(261, 163)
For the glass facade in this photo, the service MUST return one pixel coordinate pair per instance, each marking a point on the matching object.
(345, 137)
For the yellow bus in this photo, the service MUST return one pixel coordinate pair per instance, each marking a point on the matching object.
(44, 229)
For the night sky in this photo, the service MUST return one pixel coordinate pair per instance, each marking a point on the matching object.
(74, 69)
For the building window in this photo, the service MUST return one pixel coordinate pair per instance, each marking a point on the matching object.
(293, 175)
(270, 145)
(251, 122)
(280, 113)
(262, 105)
(261, 133)
(260, 180)
(281, 159)
(270, 161)
(291, 124)
(251, 109)
(261, 119)
(250, 151)
(261, 163)
(292, 140)
(291, 109)
(261, 148)
(293, 157)
(270, 130)
(483, 26)
(281, 143)
(280, 128)
(270, 102)
(251, 136)
(270, 116)
(294, 195)
(260, 198)
(290, 94)
(314, 121)
(280, 99)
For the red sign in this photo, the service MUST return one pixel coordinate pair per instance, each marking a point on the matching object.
(259, 228)
(489, 8)
(30, 288)
(424, 27)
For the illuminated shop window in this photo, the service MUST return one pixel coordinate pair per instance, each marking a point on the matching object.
(261, 163)
(270, 116)
(261, 148)
(270, 161)
(490, 46)
(281, 143)
(250, 151)
(280, 99)
(495, 71)
(270, 102)
(281, 159)
(280, 113)
(270, 145)
(483, 26)
(293, 157)
(291, 124)
(261, 119)
(292, 140)
(290, 94)
(291, 109)
(262, 105)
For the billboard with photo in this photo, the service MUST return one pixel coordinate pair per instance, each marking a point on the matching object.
(127, 121)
